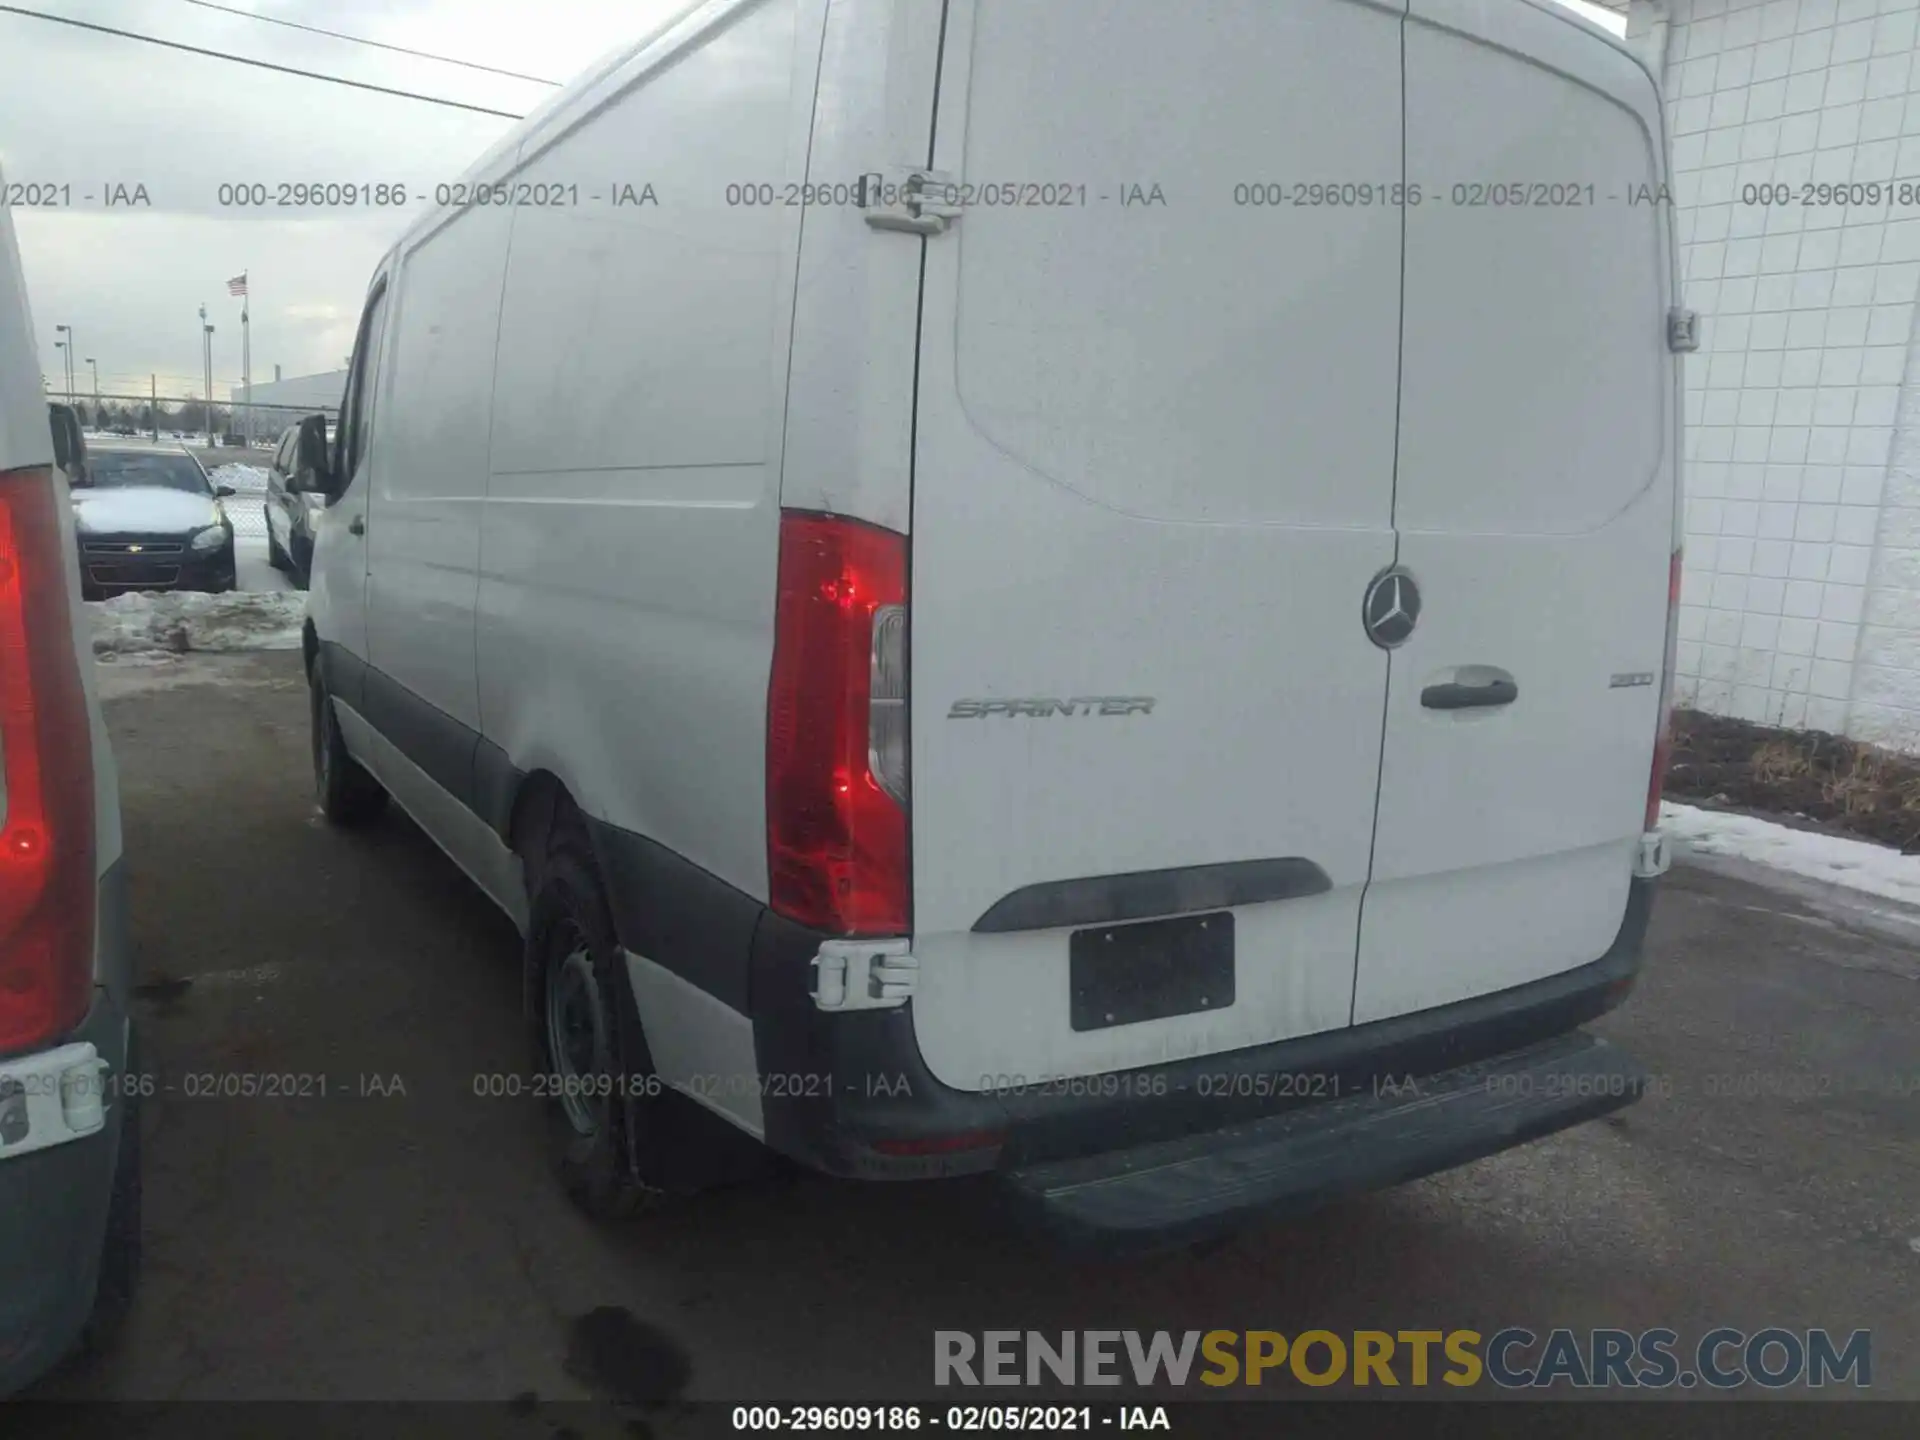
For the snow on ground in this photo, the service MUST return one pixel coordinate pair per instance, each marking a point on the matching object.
(250, 566)
(151, 624)
(1855, 864)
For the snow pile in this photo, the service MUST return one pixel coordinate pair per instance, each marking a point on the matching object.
(243, 478)
(1856, 864)
(149, 622)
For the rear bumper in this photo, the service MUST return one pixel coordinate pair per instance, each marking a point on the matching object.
(868, 1095)
(1177, 1191)
(53, 1217)
(54, 1201)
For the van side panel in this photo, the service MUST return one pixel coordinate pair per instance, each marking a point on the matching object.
(627, 563)
(427, 477)
(26, 441)
(856, 314)
(26, 438)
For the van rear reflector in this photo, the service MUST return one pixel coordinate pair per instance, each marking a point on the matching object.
(837, 831)
(46, 748)
(942, 1144)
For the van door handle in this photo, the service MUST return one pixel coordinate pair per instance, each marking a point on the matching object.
(356, 526)
(1456, 696)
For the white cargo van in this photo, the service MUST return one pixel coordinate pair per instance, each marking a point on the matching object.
(69, 1086)
(1262, 420)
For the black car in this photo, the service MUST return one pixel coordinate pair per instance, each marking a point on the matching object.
(291, 516)
(150, 519)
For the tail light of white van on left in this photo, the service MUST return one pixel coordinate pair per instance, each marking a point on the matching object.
(837, 838)
(46, 749)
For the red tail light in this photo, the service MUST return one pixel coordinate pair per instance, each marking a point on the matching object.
(836, 837)
(1663, 737)
(46, 842)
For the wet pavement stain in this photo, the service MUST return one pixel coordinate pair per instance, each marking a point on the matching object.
(626, 1359)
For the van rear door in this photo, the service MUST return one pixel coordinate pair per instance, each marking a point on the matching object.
(1153, 477)
(1535, 507)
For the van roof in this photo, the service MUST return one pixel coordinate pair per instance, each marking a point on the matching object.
(25, 436)
(558, 112)
(580, 96)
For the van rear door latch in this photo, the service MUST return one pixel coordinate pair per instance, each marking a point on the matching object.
(916, 201)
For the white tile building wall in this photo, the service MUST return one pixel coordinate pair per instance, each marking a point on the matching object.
(1801, 598)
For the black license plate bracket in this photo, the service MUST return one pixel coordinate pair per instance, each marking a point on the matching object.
(1150, 970)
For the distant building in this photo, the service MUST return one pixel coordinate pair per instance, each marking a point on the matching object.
(293, 399)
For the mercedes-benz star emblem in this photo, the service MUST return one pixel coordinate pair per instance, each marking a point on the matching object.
(1391, 608)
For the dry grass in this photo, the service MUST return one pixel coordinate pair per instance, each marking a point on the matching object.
(1846, 784)
(1777, 761)
(1871, 782)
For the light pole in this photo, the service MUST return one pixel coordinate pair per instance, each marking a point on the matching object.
(207, 356)
(96, 392)
(71, 346)
(61, 346)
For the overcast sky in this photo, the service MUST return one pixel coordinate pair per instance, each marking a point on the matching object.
(91, 111)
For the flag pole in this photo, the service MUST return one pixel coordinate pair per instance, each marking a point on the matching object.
(246, 352)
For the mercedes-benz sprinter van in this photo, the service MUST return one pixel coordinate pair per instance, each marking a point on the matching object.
(1081, 590)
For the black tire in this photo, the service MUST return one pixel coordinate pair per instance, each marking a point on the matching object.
(121, 1248)
(586, 1033)
(347, 794)
(276, 557)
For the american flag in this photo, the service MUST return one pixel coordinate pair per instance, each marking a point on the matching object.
(237, 285)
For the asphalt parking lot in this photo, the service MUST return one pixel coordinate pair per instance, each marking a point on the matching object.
(400, 1238)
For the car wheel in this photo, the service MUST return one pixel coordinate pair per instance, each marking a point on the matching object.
(348, 795)
(120, 1250)
(603, 1097)
(276, 557)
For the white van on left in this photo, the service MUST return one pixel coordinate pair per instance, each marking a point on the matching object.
(69, 1127)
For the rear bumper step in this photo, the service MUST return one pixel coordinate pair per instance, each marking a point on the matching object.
(1177, 1191)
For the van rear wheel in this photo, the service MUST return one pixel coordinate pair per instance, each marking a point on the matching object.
(593, 1068)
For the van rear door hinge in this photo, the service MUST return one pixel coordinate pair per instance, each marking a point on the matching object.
(917, 201)
(1683, 330)
(863, 974)
(1652, 856)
